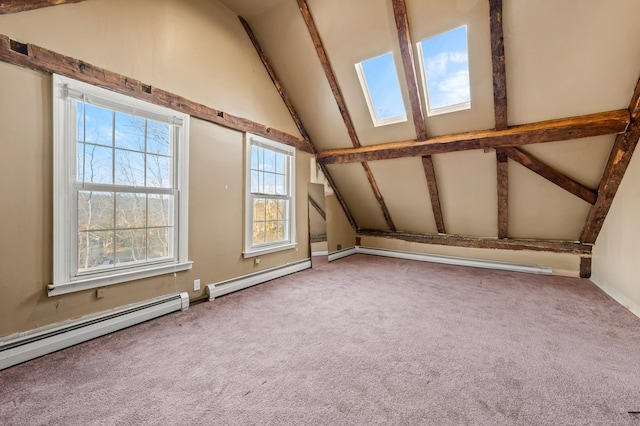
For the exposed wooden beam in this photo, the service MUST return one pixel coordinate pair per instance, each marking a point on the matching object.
(40, 59)
(294, 114)
(342, 106)
(408, 63)
(551, 174)
(585, 267)
(571, 247)
(378, 195)
(583, 126)
(409, 66)
(430, 174)
(328, 70)
(499, 73)
(341, 200)
(503, 194)
(15, 6)
(317, 207)
(614, 171)
(276, 83)
(317, 238)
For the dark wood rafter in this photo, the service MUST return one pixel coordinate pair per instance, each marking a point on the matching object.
(294, 114)
(430, 174)
(341, 200)
(551, 174)
(408, 63)
(317, 207)
(15, 6)
(378, 195)
(604, 123)
(409, 66)
(571, 247)
(497, 56)
(40, 59)
(328, 70)
(615, 169)
(342, 106)
(276, 83)
(585, 267)
(503, 194)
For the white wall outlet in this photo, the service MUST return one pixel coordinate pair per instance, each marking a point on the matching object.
(256, 260)
(196, 285)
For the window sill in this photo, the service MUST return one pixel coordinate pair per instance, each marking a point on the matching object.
(87, 283)
(272, 249)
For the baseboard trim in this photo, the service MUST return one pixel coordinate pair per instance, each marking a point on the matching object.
(342, 253)
(224, 287)
(38, 343)
(633, 307)
(451, 260)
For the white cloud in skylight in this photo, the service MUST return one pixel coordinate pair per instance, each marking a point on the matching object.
(445, 66)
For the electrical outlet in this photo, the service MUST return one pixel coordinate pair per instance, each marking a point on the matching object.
(99, 293)
(339, 246)
(256, 260)
(196, 285)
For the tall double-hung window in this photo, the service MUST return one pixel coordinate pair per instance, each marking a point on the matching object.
(120, 188)
(270, 201)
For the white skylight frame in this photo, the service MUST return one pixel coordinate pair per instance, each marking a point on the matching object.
(461, 106)
(377, 122)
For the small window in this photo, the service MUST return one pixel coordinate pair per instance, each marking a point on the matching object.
(444, 61)
(120, 188)
(381, 88)
(270, 201)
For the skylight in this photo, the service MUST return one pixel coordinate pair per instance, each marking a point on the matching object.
(381, 89)
(445, 71)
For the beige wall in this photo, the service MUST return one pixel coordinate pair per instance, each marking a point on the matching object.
(196, 49)
(339, 230)
(317, 224)
(617, 249)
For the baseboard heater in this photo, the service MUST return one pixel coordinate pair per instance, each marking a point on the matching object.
(224, 287)
(448, 260)
(36, 344)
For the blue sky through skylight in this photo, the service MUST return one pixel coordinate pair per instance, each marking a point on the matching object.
(384, 88)
(446, 65)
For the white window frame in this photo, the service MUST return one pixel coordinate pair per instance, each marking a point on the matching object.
(423, 73)
(249, 249)
(369, 100)
(66, 277)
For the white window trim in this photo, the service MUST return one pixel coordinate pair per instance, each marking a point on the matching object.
(423, 73)
(367, 96)
(250, 251)
(65, 279)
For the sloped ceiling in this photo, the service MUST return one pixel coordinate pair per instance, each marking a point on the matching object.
(562, 59)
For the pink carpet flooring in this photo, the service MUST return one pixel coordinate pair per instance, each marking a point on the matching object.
(359, 341)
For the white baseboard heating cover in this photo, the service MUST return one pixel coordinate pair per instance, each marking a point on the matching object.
(224, 287)
(37, 344)
(459, 261)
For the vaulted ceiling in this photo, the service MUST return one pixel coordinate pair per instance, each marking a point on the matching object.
(534, 163)
(560, 60)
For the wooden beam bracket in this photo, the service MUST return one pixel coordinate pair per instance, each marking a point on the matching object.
(551, 174)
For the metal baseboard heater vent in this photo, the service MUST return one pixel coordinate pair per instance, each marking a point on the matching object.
(224, 287)
(447, 260)
(34, 345)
